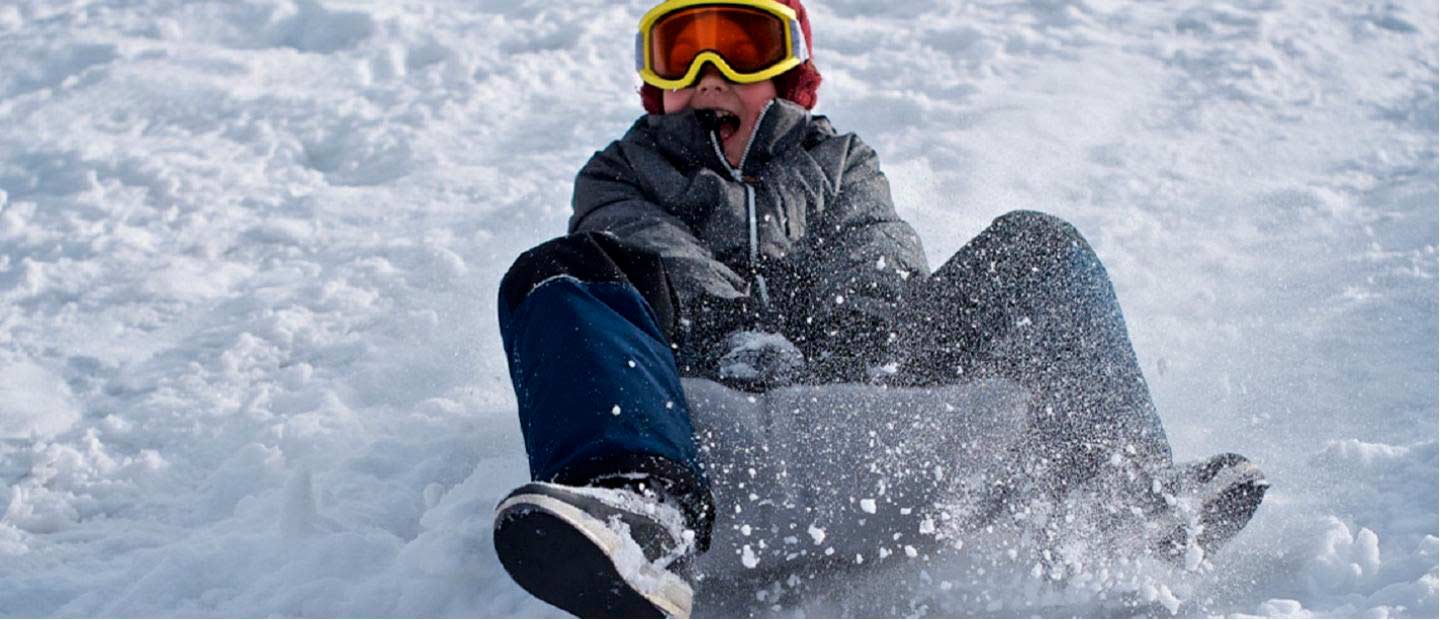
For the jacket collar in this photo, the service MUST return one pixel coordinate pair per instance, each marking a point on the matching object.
(682, 139)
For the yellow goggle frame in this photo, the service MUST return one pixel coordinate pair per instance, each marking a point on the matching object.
(796, 53)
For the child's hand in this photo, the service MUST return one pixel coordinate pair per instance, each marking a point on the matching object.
(758, 361)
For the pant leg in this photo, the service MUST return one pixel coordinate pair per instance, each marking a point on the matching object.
(1029, 300)
(587, 323)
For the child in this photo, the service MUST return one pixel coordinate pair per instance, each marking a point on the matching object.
(732, 235)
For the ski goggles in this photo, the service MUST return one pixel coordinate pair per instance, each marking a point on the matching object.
(747, 40)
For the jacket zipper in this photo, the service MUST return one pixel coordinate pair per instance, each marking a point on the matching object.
(750, 220)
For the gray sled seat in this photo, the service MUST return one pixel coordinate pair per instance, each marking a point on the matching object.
(847, 472)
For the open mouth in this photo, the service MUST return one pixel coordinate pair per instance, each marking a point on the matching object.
(723, 122)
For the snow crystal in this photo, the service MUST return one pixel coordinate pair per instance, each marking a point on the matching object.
(1194, 555)
(1167, 599)
(748, 557)
(816, 534)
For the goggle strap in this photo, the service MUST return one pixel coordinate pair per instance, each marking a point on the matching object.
(639, 51)
(801, 51)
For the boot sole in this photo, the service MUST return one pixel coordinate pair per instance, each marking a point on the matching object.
(1238, 488)
(1233, 508)
(567, 558)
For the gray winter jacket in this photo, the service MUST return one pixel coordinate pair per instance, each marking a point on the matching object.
(802, 238)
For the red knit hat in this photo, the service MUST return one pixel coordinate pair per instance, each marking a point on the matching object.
(801, 84)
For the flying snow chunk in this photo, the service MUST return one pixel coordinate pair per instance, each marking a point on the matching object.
(615, 410)
(748, 557)
(868, 505)
(1194, 555)
(1165, 598)
(816, 534)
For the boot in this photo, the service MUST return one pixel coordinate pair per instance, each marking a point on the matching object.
(597, 552)
(1223, 492)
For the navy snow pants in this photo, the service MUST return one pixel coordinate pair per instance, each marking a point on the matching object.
(587, 323)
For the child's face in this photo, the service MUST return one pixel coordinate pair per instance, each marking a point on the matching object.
(713, 92)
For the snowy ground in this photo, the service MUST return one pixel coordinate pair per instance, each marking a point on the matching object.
(249, 252)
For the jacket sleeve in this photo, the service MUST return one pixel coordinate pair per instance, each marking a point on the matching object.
(713, 299)
(863, 256)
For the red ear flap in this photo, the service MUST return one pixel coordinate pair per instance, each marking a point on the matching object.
(801, 85)
(652, 99)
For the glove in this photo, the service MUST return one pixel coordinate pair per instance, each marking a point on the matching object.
(758, 361)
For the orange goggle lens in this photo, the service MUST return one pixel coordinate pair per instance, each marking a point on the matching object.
(750, 40)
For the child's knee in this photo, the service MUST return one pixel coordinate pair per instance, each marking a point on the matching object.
(1040, 225)
(572, 255)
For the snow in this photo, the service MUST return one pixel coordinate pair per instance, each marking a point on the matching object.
(748, 557)
(817, 535)
(745, 349)
(249, 252)
(34, 402)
